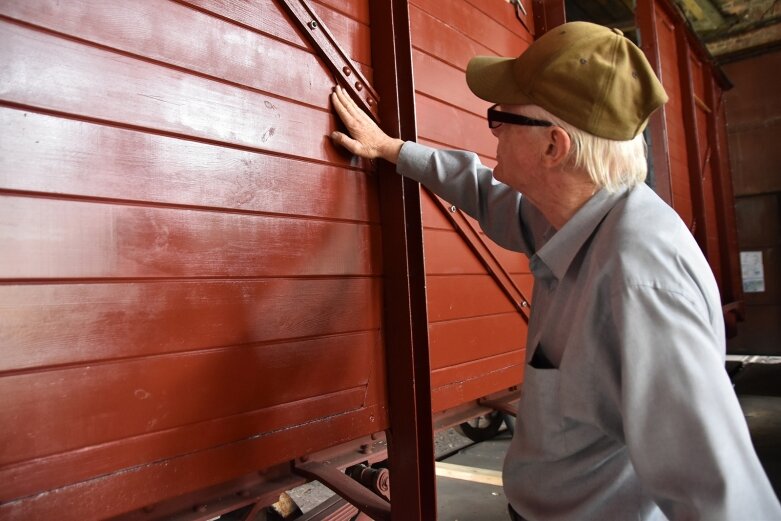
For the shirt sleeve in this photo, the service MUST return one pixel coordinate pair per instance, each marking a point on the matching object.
(682, 422)
(460, 178)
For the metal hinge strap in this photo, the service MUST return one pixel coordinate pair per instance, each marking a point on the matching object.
(486, 256)
(343, 69)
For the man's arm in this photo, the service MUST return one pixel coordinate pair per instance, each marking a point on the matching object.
(682, 423)
(458, 177)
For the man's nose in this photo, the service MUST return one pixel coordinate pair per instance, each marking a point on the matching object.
(495, 131)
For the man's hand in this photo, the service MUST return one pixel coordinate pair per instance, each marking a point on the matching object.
(367, 140)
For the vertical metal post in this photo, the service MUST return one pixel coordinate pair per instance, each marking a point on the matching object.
(693, 145)
(732, 290)
(547, 15)
(410, 438)
(645, 16)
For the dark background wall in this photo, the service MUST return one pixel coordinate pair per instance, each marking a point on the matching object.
(754, 127)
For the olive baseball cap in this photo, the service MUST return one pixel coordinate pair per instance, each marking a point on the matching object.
(588, 75)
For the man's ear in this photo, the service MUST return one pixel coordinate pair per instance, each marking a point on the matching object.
(559, 144)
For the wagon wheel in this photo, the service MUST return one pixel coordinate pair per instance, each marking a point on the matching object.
(483, 427)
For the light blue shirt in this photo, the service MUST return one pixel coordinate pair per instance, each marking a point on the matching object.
(626, 410)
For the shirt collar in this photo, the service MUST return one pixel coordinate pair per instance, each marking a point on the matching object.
(558, 253)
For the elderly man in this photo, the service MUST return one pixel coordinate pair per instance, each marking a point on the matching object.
(626, 409)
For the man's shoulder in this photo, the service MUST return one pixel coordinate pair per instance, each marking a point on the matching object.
(643, 240)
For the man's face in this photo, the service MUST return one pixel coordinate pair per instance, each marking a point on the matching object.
(518, 152)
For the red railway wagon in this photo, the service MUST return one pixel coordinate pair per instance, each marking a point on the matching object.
(202, 301)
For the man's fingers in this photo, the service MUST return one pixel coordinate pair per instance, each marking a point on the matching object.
(348, 103)
(353, 146)
(341, 110)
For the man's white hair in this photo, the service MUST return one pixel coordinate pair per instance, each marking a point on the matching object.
(611, 164)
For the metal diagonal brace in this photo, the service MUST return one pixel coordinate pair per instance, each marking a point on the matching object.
(363, 498)
(483, 252)
(349, 76)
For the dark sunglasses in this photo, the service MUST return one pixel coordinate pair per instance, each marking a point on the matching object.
(497, 117)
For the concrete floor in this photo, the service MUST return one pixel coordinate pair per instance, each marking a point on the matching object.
(459, 500)
(757, 383)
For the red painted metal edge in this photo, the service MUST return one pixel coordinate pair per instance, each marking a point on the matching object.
(349, 76)
(645, 15)
(489, 260)
(410, 437)
(547, 15)
(693, 146)
(732, 288)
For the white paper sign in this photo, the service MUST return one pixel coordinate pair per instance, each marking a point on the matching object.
(752, 271)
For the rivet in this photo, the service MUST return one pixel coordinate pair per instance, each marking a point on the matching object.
(365, 448)
(453, 209)
(634, 74)
(200, 508)
(370, 101)
(583, 61)
(312, 25)
(346, 70)
(358, 85)
(524, 304)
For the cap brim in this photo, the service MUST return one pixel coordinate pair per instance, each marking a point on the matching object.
(492, 79)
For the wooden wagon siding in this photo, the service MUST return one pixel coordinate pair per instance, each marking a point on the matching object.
(477, 337)
(190, 282)
(197, 288)
(690, 159)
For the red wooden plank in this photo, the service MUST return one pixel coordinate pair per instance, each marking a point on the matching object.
(448, 45)
(59, 156)
(450, 125)
(437, 79)
(224, 50)
(468, 230)
(173, 477)
(267, 17)
(461, 296)
(54, 324)
(433, 218)
(77, 407)
(448, 254)
(49, 72)
(459, 341)
(504, 13)
(46, 473)
(475, 25)
(525, 282)
(458, 393)
(512, 261)
(334, 57)
(354, 37)
(355, 9)
(46, 238)
(475, 369)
